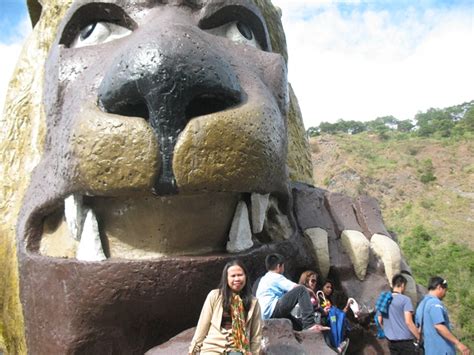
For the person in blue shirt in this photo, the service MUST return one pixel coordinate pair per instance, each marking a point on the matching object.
(278, 296)
(397, 323)
(432, 317)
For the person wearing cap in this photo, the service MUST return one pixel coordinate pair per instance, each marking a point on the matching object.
(432, 317)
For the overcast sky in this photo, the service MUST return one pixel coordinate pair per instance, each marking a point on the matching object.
(355, 60)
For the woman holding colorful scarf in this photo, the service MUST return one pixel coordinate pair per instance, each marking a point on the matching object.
(230, 321)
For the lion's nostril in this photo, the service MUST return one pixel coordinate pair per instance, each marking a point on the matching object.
(136, 109)
(209, 103)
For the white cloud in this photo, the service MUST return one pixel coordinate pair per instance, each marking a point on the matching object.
(9, 57)
(361, 64)
(366, 64)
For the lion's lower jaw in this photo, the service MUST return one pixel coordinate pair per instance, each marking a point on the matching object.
(147, 227)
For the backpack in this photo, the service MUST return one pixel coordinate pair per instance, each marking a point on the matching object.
(383, 303)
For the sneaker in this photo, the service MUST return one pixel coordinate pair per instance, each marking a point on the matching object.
(317, 328)
(341, 349)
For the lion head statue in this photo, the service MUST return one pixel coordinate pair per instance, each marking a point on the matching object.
(143, 144)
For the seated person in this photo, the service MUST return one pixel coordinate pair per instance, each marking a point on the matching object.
(326, 297)
(309, 279)
(278, 296)
(230, 320)
(334, 318)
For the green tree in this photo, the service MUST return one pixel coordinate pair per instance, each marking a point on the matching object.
(434, 122)
(382, 125)
(326, 127)
(466, 123)
(405, 126)
(354, 127)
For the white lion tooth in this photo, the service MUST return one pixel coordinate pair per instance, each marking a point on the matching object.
(389, 252)
(319, 239)
(74, 214)
(259, 205)
(358, 247)
(90, 246)
(240, 235)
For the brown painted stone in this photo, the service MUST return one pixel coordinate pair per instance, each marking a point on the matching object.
(314, 343)
(370, 216)
(310, 207)
(359, 290)
(342, 210)
(364, 342)
(278, 338)
(178, 344)
(123, 306)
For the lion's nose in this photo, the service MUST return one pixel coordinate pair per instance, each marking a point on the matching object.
(169, 80)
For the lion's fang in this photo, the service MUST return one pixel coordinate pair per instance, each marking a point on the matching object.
(90, 246)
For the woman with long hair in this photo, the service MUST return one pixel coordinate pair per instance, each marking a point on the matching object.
(334, 318)
(309, 278)
(230, 320)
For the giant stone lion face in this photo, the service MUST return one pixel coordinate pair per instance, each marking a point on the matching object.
(160, 153)
(160, 118)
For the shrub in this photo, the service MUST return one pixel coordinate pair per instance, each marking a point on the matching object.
(426, 171)
(419, 232)
(427, 204)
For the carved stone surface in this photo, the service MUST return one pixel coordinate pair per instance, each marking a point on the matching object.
(389, 252)
(123, 307)
(278, 339)
(259, 205)
(240, 236)
(319, 239)
(369, 216)
(179, 344)
(357, 247)
(311, 207)
(342, 209)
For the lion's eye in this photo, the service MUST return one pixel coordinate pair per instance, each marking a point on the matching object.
(237, 32)
(244, 30)
(98, 33)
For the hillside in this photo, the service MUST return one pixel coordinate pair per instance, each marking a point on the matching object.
(425, 187)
